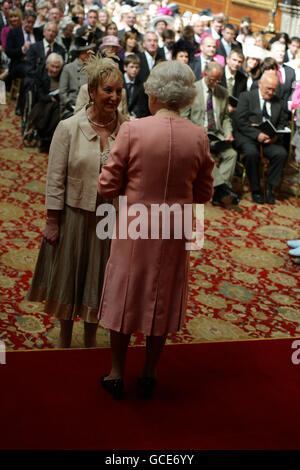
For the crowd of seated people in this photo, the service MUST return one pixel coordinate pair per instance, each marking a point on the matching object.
(233, 66)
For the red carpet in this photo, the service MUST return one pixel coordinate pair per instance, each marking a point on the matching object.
(243, 284)
(236, 395)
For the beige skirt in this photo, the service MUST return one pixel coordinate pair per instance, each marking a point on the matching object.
(69, 276)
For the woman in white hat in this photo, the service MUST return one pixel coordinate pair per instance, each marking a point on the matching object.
(253, 58)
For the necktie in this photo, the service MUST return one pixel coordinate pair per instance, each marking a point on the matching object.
(28, 37)
(211, 123)
(48, 51)
(230, 84)
(130, 88)
(265, 112)
(279, 74)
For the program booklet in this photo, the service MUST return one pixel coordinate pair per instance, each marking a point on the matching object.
(268, 128)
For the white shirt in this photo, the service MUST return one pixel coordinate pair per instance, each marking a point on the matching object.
(127, 79)
(46, 46)
(150, 60)
(214, 33)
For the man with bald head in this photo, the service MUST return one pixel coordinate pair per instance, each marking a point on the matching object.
(208, 51)
(254, 107)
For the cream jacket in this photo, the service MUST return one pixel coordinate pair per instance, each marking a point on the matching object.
(74, 163)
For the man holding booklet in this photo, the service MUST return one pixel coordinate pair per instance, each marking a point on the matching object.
(255, 107)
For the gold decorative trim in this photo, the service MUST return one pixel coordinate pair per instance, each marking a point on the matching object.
(265, 5)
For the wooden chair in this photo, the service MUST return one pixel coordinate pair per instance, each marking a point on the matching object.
(14, 89)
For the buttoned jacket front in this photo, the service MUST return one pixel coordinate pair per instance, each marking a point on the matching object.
(196, 112)
(74, 163)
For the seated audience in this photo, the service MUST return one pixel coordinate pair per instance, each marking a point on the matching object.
(251, 68)
(14, 19)
(39, 51)
(232, 78)
(183, 51)
(66, 39)
(136, 100)
(168, 36)
(45, 113)
(17, 45)
(42, 11)
(227, 43)
(90, 31)
(129, 43)
(73, 77)
(159, 24)
(208, 53)
(292, 49)
(285, 73)
(210, 110)
(254, 107)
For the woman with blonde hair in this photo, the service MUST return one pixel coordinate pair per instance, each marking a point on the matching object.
(162, 159)
(14, 19)
(70, 268)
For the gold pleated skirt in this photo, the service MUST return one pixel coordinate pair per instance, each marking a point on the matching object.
(69, 276)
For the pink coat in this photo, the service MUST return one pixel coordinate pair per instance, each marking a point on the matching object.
(154, 160)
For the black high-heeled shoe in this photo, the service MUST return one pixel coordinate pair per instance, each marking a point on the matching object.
(113, 386)
(147, 386)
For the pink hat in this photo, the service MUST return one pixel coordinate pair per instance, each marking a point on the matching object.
(164, 11)
(110, 41)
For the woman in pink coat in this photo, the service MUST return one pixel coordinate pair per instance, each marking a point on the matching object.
(159, 159)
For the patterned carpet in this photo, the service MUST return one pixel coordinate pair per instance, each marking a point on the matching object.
(243, 284)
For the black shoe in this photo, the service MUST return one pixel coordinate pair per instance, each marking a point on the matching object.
(114, 387)
(270, 199)
(222, 196)
(258, 197)
(18, 112)
(147, 386)
(236, 198)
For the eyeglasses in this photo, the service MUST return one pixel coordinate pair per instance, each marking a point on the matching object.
(213, 80)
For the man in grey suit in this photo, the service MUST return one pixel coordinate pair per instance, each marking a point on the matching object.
(210, 110)
(73, 77)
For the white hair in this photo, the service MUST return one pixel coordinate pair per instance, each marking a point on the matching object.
(172, 83)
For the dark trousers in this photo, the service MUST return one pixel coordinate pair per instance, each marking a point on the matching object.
(275, 153)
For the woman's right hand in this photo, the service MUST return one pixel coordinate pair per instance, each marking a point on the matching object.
(51, 231)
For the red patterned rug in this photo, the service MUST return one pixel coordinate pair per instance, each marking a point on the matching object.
(243, 284)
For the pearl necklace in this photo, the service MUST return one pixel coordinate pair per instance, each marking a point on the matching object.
(100, 125)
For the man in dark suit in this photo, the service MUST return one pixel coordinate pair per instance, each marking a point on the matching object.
(232, 79)
(293, 48)
(208, 51)
(90, 31)
(18, 42)
(151, 56)
(226, 43)
(129, 22)
(254, 107)
(39, 51)
(137, 102)
(286, 74)
(216, 26)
